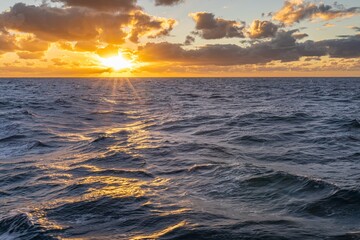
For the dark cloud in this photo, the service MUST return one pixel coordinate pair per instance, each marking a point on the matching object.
(356, 29)
(103, 5)
(209, 27)
(113, 5)
(189, 40)
(297, 10)
(262, 29)
(167, 2)
(348, 47)
(283, 47)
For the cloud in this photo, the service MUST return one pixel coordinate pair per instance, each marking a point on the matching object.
(167, 2)
(143, 24)
(295, 11)
(83, 25)
(113, 5)
(32, 44)
(348, 47)
(54, 24)
(299, 36)
(85, 46)
(103, 5)
(7, 43)
(30, 55)
(189, 40)
(283, 47)
(107, 51)
(26, 47)
(328, 25)
(209, 27)
(59, 62)
(262, 29)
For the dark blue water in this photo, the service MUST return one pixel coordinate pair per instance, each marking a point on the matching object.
(180, 159)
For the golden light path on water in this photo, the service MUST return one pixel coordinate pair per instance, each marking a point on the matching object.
(105, 181)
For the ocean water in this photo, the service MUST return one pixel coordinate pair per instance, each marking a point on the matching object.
(180, 158)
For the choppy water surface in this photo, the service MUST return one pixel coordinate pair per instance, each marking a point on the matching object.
(179, 159)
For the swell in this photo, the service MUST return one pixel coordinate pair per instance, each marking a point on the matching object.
(341, 203)
(21, 227)
(240, 158)
(278, 186)
(268, 117)
(12, 138)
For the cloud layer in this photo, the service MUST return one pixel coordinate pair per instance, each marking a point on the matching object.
(283, 47)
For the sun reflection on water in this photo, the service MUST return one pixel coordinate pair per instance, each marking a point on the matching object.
(115, 187)
(162, 232)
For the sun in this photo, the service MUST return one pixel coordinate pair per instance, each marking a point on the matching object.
(117, 62)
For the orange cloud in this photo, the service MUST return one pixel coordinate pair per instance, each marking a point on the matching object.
(90, 29)
(295, 11)
(262, 29)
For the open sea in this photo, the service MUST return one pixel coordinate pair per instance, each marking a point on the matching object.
(187, 159)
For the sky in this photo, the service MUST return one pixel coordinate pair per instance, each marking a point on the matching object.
(179, 38)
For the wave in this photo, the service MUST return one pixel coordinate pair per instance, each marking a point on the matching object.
(63, 103)
(256, 118)
(101, 210)
(13, 178)
(21, 227)
(341, 203)
(39, 144)
(353, 124)
(119, 159)
(254, 230)
(192, 122)
(346, 236)
(125, 173)
(12, 138)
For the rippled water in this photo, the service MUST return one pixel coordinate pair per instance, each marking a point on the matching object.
(179, 159)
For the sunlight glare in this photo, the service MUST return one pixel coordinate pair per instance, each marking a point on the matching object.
(116, 62)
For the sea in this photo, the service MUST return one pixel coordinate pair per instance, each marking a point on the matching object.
(180, 158)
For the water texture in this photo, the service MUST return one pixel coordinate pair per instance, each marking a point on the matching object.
(180, 158)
